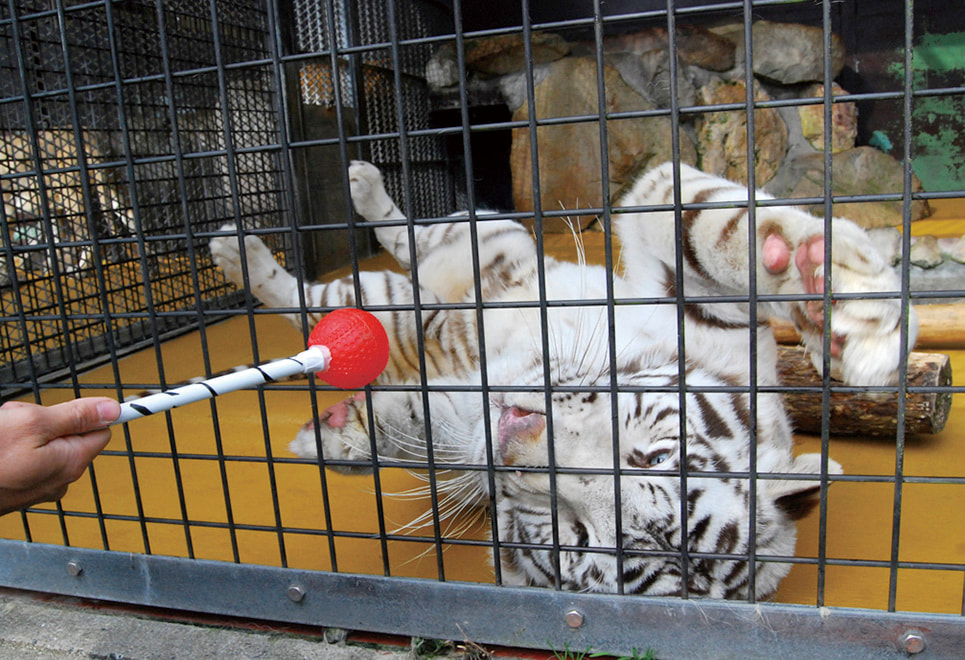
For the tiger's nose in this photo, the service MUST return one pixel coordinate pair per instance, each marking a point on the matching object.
(519, 430)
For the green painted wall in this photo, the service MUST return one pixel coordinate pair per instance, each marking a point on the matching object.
(938, 122)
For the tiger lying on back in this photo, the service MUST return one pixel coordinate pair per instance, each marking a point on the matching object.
(581, 371)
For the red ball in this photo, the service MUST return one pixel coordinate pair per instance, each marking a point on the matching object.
(358, 344)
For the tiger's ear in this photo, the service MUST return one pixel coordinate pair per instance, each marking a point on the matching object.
(798, 497)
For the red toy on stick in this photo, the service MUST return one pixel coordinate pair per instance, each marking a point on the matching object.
(358, 345)
(348, 348)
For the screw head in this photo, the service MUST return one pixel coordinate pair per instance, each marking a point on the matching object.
(296, 593)
(574, 618)
(74, 568)
(912, 641)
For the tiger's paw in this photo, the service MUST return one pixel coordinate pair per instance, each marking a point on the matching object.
(369, 197)
(267, 279)
(227, 256)
(865, 332)
(343, 435)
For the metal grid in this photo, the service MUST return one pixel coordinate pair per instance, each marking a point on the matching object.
(115, 153)
(218, 151)
(373, 78)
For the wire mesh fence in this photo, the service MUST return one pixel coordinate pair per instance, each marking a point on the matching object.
(116, 152)
(133, 133)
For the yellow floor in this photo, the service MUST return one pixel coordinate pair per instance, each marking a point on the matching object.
(859, 524)
(239, 416)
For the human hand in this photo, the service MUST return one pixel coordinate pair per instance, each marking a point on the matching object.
(43, 449)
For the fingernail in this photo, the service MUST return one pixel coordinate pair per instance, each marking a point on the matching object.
(108, 411)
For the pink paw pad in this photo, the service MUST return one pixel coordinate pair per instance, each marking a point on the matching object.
(776, 254)
(809, 256)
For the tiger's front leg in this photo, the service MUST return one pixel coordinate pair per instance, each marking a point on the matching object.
(341, 431)
(269, 281)
(444, 255)
(790, 260)
(865, 332)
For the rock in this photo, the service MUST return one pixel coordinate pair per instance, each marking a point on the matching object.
(648, 74)
(493, 56)
(844, 120)
(859, 171)
(695, 45)
(722, 136)
(513, 86)
(569, 154)
(701, 47)
(790, 53)
(925, 252)
(953, 248)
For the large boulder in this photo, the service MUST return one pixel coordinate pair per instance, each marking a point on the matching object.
(844, 120)
(648, 74)
(859, 171)
(569, 153)
(493, 56)
(790, 53)
(693, 44)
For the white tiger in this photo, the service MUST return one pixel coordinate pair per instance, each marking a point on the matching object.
(607, 534)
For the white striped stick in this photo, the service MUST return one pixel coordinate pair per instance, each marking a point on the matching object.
(315, 358)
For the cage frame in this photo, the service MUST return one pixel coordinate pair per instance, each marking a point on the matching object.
(687, 627)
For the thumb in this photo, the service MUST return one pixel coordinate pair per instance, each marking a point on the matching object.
(80, 416)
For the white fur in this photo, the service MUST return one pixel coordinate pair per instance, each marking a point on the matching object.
(578, 354)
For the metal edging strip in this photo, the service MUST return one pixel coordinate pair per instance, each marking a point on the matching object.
(534, 618)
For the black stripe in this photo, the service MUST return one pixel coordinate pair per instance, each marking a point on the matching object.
(688, 220)
(702, 315)
(698, 530)
(735, 572)
(268, 379)
(713, 422)
(648, 582)
(727, 538)
(664, 413)
(141, 409)
(730, 228)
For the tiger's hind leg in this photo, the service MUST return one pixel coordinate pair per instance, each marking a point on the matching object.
(268, 280)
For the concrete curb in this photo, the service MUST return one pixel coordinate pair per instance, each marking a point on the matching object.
(31, 629)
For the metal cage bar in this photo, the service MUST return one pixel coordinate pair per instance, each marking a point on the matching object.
(208, 134)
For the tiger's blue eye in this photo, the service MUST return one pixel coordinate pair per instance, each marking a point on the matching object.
(637, 458)
(658, 457)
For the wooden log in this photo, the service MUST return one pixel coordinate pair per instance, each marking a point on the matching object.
(939, 327)
(867, 413)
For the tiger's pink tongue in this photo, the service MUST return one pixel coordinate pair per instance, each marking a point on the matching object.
(516, 424)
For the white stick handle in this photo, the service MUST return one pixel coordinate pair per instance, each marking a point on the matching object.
(316, 358)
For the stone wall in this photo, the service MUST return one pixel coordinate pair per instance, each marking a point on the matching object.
(789, 140)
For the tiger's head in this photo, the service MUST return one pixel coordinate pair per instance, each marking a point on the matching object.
(583, 527)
